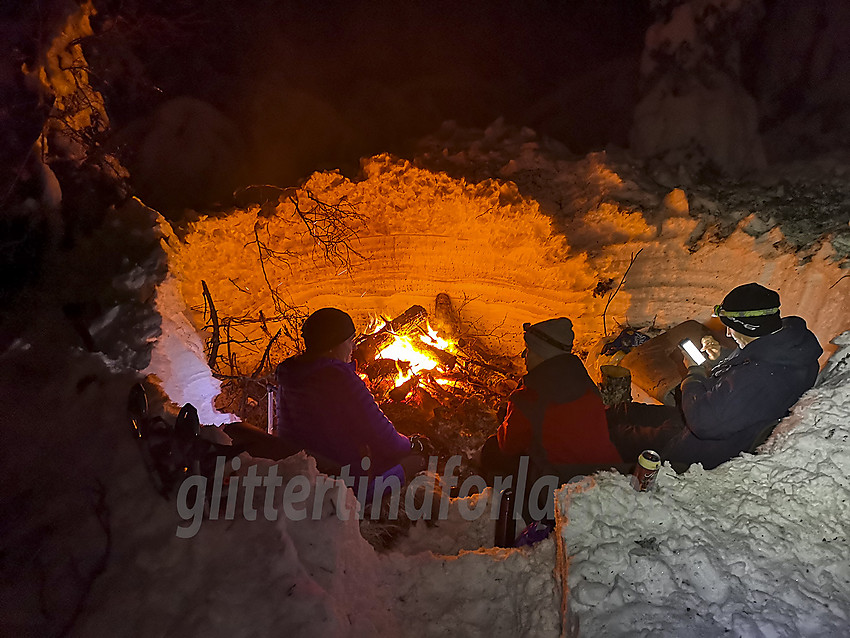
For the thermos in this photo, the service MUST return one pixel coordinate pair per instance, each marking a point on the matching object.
(506, 525)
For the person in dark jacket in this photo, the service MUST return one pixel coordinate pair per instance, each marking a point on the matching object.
(326, 408)
(556, 415)
(722, 413)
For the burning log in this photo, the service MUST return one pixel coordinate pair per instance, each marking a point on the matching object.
(438, 392)
(446, 359)
(400, 393)
(381, 368)
(406, 321)
(368, 346)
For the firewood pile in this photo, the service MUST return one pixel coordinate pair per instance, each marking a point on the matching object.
(429, 373)
(431, 377)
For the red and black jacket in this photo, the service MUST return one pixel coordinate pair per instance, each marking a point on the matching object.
(557, 413)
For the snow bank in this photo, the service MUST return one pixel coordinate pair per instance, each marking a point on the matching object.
(304, 577)
(756, 547)
(94, 547)
(178, 358)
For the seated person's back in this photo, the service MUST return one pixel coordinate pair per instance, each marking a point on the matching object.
(326, 407)
(556, 416)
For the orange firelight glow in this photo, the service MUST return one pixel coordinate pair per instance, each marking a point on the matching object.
(403, 348)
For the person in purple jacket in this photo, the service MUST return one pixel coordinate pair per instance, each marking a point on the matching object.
(326, 408)
(726, 410)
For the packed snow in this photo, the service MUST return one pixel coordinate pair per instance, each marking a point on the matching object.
(756, 547)
(519, 229)
(753, 548)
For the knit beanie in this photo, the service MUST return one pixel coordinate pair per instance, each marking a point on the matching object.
(750, 309)
(549, 338)
(325, 329)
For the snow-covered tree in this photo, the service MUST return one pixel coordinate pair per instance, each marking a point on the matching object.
(694, 109)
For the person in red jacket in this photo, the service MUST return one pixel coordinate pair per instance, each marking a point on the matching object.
(556, 415)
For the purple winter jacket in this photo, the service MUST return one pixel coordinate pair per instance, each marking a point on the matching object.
(327, 408)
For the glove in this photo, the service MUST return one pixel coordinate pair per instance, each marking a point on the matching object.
(419, 444)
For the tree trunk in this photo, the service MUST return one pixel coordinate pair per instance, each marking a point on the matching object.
(616, 385)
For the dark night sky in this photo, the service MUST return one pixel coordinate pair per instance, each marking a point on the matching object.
(318, 85)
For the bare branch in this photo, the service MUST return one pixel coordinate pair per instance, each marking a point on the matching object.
(331, 226)
(265, 355)
(839, 279)
(215, 340)
(238, 287)
(611, 296)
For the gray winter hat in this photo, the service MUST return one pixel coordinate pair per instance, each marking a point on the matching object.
(549, 338)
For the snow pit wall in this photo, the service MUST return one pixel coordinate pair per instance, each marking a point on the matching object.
(755, 547)
(422, 233)
(497, 254)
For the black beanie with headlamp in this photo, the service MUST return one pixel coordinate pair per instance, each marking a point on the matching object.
(750, 309)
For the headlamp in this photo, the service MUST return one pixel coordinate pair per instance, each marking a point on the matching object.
(719, 311)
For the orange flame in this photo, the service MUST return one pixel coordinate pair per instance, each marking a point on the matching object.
(403, 348)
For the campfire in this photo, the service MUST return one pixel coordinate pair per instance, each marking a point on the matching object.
(403, 353)
(434, 378)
